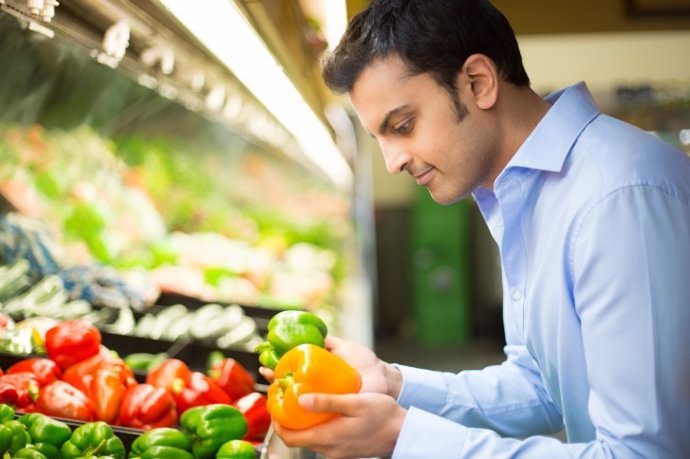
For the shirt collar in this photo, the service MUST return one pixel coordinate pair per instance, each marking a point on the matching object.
(548, 145)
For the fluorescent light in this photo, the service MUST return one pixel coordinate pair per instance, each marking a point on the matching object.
(336, 21)
(223, 29)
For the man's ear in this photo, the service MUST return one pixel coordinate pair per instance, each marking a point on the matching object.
(480, 74)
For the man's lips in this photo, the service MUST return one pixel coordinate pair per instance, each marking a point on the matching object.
(425, 176)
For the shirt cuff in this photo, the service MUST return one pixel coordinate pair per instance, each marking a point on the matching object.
(425, 389)
(424, 436)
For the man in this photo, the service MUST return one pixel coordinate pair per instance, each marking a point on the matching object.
(592, 218)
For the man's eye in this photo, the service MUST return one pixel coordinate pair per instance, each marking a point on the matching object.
(404, 128)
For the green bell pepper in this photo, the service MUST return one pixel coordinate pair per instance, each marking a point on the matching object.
(6, 413)
(210, 426)
(288, 329)
(29, 453)
(163, 443)
(47, 434)
(144, 360)
(236, 449)
(164, 452)
(93, 439)
(13, 437)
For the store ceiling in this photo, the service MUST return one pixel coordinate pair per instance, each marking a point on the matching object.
(297, 40)
(584, 16)
(157, 51)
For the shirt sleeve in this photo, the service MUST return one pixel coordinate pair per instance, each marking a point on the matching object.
(508, 398)
(631, 260)
(630, 265)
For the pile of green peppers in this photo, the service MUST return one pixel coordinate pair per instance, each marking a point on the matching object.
(37, 436)
(210, 431)
(33, 436)
(207, 432)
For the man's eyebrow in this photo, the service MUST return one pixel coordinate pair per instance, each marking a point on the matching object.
(383, 127)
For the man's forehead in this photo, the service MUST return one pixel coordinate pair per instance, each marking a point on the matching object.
(380, 91)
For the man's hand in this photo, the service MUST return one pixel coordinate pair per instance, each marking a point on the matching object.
(369, 422)
(377, 375)
(368, 425)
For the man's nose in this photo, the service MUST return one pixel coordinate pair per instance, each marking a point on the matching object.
(395, 158)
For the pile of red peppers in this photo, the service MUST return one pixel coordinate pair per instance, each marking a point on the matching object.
(81, 379)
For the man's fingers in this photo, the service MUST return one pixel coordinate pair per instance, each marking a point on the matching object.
(330, 403)
(267, 373)
(332, 341)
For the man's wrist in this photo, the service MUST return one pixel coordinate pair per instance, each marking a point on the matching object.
(394, 379)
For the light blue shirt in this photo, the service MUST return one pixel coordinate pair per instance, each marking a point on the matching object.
(592, 219)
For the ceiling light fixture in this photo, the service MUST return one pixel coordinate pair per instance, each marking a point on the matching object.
(225, 32)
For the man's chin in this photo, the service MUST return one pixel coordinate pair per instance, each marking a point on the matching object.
(445, 199)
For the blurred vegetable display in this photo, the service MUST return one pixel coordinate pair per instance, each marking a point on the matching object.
(190, 222)
(125, 179)
(225, 326)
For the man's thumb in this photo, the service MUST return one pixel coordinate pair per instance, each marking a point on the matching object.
(309, 402)
(326, 403)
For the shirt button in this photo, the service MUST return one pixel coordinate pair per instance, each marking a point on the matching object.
(516, 295)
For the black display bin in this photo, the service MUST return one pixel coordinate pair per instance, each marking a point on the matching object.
(261, 315)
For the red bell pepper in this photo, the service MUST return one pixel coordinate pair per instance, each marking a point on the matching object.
(253, 407)
(72, 341)
(27, 386)
(8, 393)
(188, 388)
(45, 370)
(108, 387)
(172, 374)
(145, 406)
(64, 400)
(234, 378)
(81, 373)
(199, 390)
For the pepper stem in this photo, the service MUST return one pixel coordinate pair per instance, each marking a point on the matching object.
(177, 385)
(286, 381)
(96, 451)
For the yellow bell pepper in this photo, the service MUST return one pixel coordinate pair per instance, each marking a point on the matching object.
(308, 368)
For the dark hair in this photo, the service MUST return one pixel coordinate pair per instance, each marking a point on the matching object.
(434, 36)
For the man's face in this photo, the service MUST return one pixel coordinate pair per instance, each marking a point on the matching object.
(419, 131)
